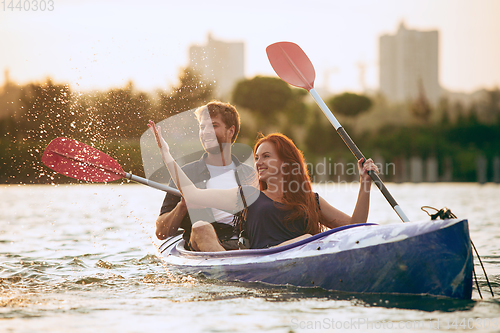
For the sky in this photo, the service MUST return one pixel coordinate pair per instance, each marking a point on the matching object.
(98, 45)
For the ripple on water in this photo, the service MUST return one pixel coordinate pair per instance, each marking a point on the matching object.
(83, 258)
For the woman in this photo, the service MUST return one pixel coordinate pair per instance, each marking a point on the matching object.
(293, 211)
(284, 209)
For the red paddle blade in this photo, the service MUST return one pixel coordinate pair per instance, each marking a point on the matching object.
(78, 160)
(291, 64)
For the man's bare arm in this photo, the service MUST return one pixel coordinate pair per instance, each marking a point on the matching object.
(168, 223)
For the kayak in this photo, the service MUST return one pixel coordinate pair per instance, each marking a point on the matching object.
(425, 258)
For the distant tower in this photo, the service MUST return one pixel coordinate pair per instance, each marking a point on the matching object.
(220, 63)
(409, 62)
(6, 78)
(326, 78)
(362, 75)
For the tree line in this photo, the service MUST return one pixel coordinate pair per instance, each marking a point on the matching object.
(34, 114)
(113, 121)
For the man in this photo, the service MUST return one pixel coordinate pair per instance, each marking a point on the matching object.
(219, 125)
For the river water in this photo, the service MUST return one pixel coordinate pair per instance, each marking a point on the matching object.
(83, 258)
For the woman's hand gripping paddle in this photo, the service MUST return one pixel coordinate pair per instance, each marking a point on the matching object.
(78, 160)
(294, 67)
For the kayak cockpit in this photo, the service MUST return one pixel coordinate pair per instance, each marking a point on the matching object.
(179, 244)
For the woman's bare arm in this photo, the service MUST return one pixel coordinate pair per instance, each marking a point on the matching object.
(332, 217)
(225, 199)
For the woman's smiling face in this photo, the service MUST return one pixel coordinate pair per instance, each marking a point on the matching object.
(267, 162)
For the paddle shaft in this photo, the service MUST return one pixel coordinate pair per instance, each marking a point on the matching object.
(151, 183)
(357, 153)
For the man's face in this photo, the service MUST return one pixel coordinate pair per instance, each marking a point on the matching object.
(213, 133)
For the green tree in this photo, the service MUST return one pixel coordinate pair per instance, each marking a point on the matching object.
(191, 92)
(444, 110)
(492, 105)
(350, 104)
(321, 138)
(421, 108)
(266, 97)
(120, 113)
(45, 112)
(296, 110)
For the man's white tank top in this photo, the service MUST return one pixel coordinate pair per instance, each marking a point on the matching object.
(222, 177)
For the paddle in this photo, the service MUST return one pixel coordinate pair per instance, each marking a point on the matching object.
(78, 160)
(293, 66)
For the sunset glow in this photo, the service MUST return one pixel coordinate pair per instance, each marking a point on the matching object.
(103, 44)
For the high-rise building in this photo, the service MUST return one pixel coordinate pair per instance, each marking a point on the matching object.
(220, 63)
(409, 65)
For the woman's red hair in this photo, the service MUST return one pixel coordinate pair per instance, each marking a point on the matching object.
(297, 191)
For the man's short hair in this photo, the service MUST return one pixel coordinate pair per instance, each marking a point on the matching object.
(228, 113)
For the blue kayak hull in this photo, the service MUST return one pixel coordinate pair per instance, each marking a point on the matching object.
(432, 257)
